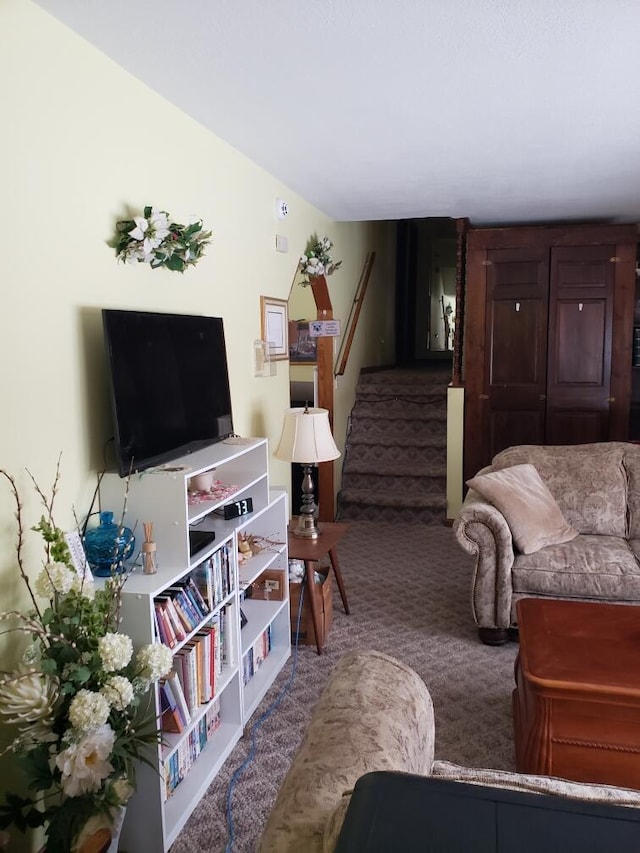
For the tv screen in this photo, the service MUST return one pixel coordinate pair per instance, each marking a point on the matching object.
(169, 385)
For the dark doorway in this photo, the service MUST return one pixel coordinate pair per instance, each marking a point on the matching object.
(425, 290)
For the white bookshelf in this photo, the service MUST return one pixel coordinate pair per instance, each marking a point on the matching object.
(161, 496)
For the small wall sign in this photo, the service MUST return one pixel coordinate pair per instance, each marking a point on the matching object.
(324, 328)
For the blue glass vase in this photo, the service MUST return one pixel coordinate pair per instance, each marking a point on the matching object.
(108, 546)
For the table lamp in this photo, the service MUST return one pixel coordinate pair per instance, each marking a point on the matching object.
(306, 438)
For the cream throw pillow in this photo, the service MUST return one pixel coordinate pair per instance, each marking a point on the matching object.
(530, 510)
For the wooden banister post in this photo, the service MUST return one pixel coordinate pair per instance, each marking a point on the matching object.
(324, 309)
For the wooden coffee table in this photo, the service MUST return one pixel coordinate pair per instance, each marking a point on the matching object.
(576, 706)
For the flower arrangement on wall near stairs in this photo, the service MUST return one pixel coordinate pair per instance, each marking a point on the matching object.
(316, 259)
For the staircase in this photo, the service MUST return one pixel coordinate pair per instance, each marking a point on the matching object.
(395, 461)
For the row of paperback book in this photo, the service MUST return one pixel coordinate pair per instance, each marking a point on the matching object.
(214, 576)
(197, 666)
(176, 767)
(184, 606)
(178, 611)
(254, 658)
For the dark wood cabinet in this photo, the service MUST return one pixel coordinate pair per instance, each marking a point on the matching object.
(548, 337)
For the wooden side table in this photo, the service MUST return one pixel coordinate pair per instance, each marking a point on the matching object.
(312, 550)
(576, 706)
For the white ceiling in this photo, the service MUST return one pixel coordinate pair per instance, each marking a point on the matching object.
(502, 111)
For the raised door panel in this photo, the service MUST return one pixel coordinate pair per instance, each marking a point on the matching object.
(504, 424)
(576, 426)
(580, 359)
(515, 371)
(515, 345)
(580, 335)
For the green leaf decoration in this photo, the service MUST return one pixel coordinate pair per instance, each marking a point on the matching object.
(160, 242)
(35, 766)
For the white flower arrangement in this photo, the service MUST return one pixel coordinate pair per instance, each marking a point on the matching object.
(153, 239)
(79, 698)
(316, 260)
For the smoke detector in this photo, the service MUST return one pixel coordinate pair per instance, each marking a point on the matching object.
(282, 208)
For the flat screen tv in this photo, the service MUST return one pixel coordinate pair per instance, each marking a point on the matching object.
(169, 385)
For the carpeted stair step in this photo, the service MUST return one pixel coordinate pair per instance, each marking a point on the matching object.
(427, 433)
(392, 458)
(382, 438)
(381, 484)
(404, 377)
(362, 504)
(398, 411)
(407, 394)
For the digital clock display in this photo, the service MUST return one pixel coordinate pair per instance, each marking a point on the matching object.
(237, 508)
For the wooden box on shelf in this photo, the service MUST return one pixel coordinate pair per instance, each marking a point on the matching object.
(270, 586)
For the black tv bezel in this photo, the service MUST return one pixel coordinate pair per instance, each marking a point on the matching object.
(126, 466)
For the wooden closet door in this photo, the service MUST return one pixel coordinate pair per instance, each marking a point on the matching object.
(505, 348)
(516, 331)
(580, 343)
(552, 372)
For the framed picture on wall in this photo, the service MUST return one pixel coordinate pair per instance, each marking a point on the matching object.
(303, 349)
(275, 326)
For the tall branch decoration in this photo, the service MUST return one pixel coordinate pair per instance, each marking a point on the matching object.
(155, 240)
(79, 702)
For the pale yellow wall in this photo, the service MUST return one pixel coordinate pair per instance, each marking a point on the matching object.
(84, 143)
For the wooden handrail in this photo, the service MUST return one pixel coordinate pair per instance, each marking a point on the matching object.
(324, 310)
(354, 313)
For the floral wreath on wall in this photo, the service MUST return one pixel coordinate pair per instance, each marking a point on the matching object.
(316, 260)
(153, 239)
(78, 699)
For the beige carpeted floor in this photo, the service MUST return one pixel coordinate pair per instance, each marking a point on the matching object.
(409, 591)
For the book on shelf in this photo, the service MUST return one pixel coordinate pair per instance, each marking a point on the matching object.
(162, 630)
(193, 603)
(202, 577)
(169, 608)
(189, 668)
(180, 669)
(178, 693)
(202, 677)
(179, 763)
(171, 718)
(157, 634)
(216, 568)
(197, 597)
(217, 653)
(206, 639)
(167, 631)
(255, 657)
(213, 578)
(186, 612)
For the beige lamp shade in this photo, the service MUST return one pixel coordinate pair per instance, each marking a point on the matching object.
(306, 437)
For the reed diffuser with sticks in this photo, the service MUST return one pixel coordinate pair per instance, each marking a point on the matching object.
(149, 566)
